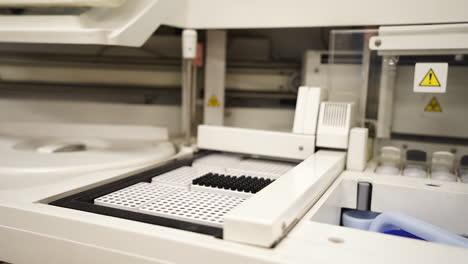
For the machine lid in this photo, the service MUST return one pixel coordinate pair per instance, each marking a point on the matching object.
(61, 3)
(106, 22)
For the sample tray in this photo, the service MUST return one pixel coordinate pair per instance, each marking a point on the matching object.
(166, 195)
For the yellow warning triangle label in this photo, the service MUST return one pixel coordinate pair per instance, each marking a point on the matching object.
(433, 106)
(430, 79)
(213, 101)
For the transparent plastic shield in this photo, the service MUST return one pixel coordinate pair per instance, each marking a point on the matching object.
(351, 65)
(419, 92)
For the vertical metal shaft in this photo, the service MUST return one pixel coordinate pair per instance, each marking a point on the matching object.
(386, 93)
(186, 100)
(194, 94)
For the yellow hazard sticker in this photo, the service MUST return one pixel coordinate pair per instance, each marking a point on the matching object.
(430, 79)
(433, 106)
(214, 102)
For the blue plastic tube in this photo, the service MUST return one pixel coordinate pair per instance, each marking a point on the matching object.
(391, 220)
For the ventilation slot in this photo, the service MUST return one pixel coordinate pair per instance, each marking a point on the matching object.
(335, 115)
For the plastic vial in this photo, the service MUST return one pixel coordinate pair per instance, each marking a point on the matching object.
(415, 165)
(442, 166)
(463, 171)
(464, 175)
(389, 161)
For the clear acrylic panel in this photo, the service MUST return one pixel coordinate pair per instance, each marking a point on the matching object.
(352, 68)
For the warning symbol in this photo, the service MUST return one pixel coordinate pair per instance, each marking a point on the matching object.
(430, 79)
(433, 106)
(213, 102)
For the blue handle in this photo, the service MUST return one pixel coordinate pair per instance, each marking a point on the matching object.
(390, 220)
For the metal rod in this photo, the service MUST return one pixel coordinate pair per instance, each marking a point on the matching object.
(186, 100)
(365, 85)
(194, 95)
(386, 92)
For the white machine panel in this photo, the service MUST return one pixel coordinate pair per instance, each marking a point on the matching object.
(358, 149)
(410, 110)
(315, 13)
(129, 23)
(266, 217)
(307, 109)
(48, 3)
(256, 142)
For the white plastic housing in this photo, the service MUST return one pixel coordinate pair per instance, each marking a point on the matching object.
(267, 216)
(307, 109)
(140, 18)
(357, 151)
(189, 44)
(335, 122)
(128, 24)
(256, 142)
(61, 3)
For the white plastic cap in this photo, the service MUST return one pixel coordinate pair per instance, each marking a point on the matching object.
(189, 44)
(390, 155)
(387, 170)
(443, 176)
(443, 160)
(464, 178)
(415, 172)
